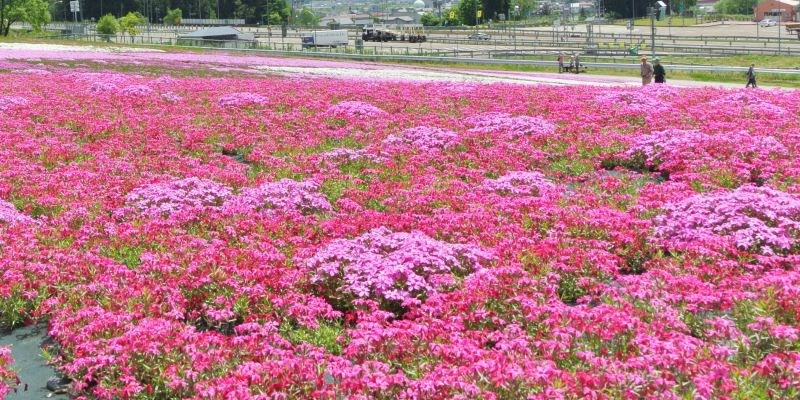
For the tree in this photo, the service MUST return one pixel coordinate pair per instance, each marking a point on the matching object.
(430, 19)
(466, 11)
(526, 7)
(277, 12)
(107, 27)
(736, 6)
(173, 17)
(129, 23)
(307, 18)
(34, 12)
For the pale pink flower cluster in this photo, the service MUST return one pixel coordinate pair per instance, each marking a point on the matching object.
(355, 109)
(11, 216)
(520, 183)
(424, 138)
(677, 150)
(243, 99)
(10, 102)
(761, 219)
(511, 126)
(169, 197)
(387, 266)
(638, 101)
(344, 155)
(137, 91)
(284, 196)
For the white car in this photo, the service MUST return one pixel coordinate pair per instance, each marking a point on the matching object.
(767, 23)
(479, 36)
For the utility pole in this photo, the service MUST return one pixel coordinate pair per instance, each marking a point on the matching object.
(652, 12)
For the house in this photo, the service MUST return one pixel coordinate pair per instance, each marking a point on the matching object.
(768, 10)
(361, 19)
(398, 20)
(221, 36)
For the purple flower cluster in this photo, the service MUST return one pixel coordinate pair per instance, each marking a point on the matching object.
(136, 91)
(100, 87)
(393, 267)
(676, 150)
(11, 216)
(761, 219)
(284, 196)
(355, 109)
(424, 138)
(170, 197)
(520, 183)
(243, 99)
(9, 102)
(511, 126)
(639, 101)
(344, 155)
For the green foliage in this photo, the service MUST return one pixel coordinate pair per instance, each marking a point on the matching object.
(173, 17)
(466, 11)
(107, 26)
(307, 18)
(277, 12)
(736, 6)
(326, 336)
(129, 23)
(431, 19)
(34, 12)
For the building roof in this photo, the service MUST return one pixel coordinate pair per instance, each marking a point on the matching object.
(212, 32)
(793, 3)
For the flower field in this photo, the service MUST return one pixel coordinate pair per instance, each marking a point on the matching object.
(254, 236)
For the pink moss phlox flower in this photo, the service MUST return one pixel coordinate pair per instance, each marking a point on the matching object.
(10, 102)
(763, 219)
(424, 138)
(393, 266)
(355, 109)
(243, 99)
(284, 196)
(10, 215)
(512, 126)
(8, 378)
(520, 183)
(168, 197)
(137, 91)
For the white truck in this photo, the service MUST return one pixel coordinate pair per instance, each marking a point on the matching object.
(325, 39)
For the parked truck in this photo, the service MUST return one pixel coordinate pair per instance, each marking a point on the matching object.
(325, 39)
(410, 33)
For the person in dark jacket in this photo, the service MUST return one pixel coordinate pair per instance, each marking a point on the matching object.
(751, 76)
(658, 71)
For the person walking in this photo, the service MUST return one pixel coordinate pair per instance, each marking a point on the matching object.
(571, 63)
(751, 76)
(560, 62)
(659, 71)
(577, 63)
(646, 72)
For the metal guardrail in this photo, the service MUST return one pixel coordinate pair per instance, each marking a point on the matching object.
(493, 57)
(494, 61)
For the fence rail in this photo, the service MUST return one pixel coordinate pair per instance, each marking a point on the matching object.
(420, 54)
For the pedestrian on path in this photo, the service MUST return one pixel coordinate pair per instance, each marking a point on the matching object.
(560, 62)
(577, 63)
(659, 71)
(751, 76)
(646, 72)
